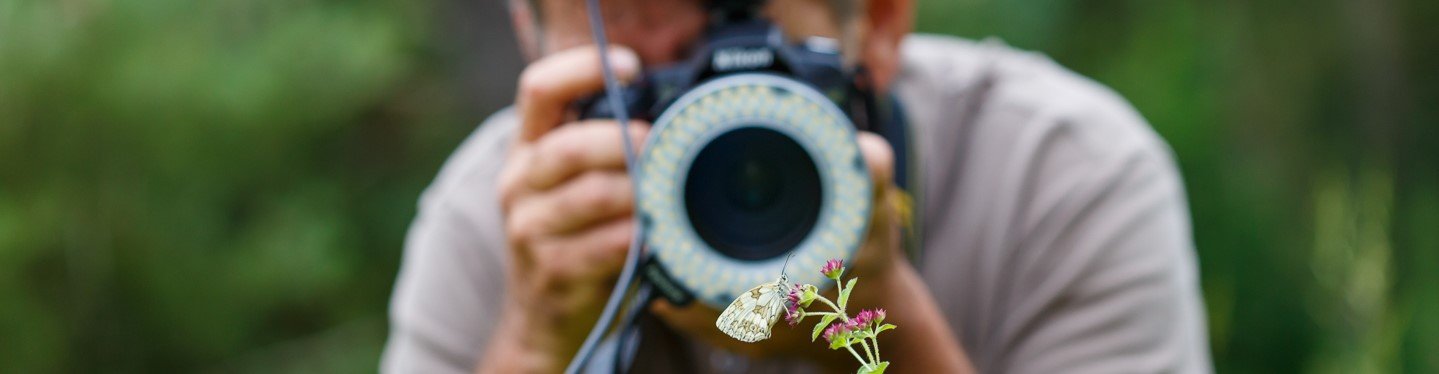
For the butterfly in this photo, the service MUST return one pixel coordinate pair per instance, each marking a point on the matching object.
(750, 316)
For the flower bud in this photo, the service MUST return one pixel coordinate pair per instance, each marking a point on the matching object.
(810, 293)
(832, 269)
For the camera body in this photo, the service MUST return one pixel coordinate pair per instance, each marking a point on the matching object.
(742, 46)
(752, 157)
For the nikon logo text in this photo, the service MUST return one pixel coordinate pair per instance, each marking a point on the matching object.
(742, 58)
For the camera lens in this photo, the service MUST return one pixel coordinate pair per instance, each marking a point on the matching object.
(753, 193)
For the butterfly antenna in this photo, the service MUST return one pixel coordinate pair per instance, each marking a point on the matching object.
(784, 267)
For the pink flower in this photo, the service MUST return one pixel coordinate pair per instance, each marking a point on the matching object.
(794, 314)
(833, 331)
(863, 319)
(832, 268)
(879, 316)
(853, 325)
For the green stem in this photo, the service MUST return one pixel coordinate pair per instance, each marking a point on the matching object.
(836, 308)
(866, 350)
(807, 314)
(875, 336)
(850, 348)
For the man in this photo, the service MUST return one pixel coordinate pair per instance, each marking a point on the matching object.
(1052, 222)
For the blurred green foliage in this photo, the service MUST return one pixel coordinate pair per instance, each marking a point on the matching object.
(224, 185)
(1303, 131)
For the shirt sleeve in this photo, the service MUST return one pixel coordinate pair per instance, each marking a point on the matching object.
(1097, 272)
(1104, 279)
(1055, 225)
(451, 279)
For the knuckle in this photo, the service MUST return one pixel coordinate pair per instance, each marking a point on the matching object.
(510, 186)
(514, 240)
(509, 192)
(600, 192)
(533, 85)
(555, 270)
(556, 150)
(638, 131)
(592, 200)
(566, 154)
(519, 232)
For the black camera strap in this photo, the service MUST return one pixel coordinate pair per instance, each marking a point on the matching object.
(632, 258)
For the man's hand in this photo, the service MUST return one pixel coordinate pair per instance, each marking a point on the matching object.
(567, 204)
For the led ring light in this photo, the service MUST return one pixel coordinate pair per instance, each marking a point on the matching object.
(742, 101)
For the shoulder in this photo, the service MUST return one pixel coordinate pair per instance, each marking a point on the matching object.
(987, 88)
(1010, 143)
(1015, 130)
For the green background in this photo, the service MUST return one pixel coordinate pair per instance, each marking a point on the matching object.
(224, 185)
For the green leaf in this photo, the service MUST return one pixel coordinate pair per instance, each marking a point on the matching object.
(875, 369)
(840, 342)
(844, 294)
(819, 327)
(884, 327)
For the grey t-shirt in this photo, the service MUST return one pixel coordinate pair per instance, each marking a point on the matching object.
(1053, 224)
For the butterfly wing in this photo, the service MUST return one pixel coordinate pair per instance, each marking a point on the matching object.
(752, 314)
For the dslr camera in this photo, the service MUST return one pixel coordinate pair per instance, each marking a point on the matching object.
(752, 157)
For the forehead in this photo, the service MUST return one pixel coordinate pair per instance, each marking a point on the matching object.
(613, 8)
(835, 9)
(797, 17)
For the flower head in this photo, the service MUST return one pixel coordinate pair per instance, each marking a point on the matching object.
(795, 312)
(879, 316)
(835, 331)
(793, 296)
(793, 315)
(864, 319)
(856, 325)
(832, 268)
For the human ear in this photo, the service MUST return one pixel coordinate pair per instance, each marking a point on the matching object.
(885, 24)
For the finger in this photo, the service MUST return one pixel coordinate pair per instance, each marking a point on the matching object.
(879, 157)
(882, 238)
(513, 180)
(588, 199)
(588, 256)
(575, 148)
(548, 86)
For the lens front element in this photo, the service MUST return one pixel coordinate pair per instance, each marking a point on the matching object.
(753, 193)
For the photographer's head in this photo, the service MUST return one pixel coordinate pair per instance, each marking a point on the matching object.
(665, 31)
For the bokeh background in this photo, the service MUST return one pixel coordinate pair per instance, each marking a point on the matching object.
(224, 185)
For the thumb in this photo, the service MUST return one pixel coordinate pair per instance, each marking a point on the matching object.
(879, 158)
(881, 244)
